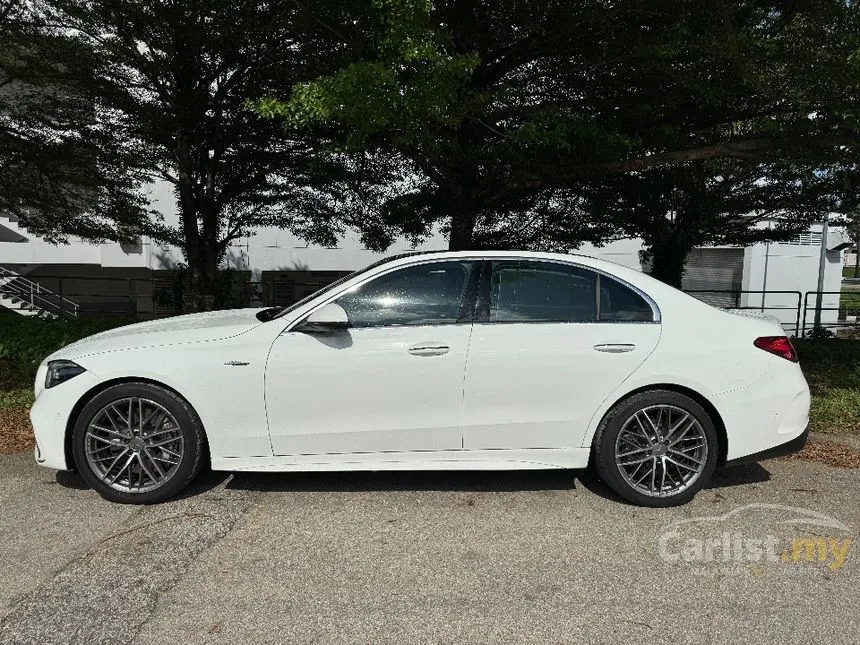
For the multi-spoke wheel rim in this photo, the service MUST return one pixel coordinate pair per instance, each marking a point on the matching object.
(661, 450)
(134, 445)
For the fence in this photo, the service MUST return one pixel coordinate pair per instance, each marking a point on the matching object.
(736, 297)
(840, 311)
(156, 296)
(151, 297)
(847, 310)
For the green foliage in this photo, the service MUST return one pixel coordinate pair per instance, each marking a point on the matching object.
(230, 291)
(56, 175)
(17, 399)
(495, 110)
(714, 202)
(832, 368)
(829, 364)
(28, 340)
(164, 88)
(819, 333)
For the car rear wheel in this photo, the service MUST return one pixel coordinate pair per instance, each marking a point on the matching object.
(138, 443)
(657, 448)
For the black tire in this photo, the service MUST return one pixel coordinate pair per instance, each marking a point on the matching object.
(181, 474)
(606, 438)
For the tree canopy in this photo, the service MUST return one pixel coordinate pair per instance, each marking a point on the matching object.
(56, 175)
(503, 123)
(166, 85)
(487, 106)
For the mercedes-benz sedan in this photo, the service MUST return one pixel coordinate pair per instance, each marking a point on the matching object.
(436, 361)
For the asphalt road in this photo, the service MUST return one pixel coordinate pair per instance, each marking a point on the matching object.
(543, 557)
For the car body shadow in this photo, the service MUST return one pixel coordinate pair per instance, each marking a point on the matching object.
(752, 473)
(207, 480)
(440, 480)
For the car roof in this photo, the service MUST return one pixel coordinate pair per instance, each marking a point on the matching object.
(489, 254)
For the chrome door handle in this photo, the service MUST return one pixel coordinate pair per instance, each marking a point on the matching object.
(615, 348)
(429, 349)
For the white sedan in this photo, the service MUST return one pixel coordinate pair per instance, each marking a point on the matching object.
(433, 361)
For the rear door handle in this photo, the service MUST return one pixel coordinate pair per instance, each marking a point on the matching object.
(615, 348)
(429, 349)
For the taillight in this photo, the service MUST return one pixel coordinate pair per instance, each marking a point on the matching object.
(779, 345)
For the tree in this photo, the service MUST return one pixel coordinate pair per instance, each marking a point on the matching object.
(55, 177)
(168, 83)
(717, 202)
(486, 106)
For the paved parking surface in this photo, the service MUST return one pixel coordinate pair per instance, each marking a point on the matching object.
(542, 557)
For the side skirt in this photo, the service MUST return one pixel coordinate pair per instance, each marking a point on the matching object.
(531, 459)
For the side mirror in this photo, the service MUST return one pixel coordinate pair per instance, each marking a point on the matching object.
(325, 320)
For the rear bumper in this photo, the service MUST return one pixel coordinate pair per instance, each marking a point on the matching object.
(793, 445)
(766, 415)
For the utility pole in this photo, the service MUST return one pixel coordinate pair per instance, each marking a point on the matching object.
(822, 259)
(766, 261)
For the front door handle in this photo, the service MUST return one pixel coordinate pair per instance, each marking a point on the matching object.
(615, 348)
(429, 349)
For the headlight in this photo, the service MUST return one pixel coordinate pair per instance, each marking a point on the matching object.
(61, 371)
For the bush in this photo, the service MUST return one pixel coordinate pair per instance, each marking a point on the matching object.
(27, 340)
(833, 363)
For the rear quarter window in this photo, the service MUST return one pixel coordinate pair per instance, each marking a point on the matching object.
(619, 303)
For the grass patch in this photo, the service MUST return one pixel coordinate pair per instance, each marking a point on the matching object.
(832, 368)
(16, 399)
(849, 299)
(837, 411)
(24, 343)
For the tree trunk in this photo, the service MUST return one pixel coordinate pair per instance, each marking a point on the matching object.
(856, 258)
(462, 228)
(667, 261)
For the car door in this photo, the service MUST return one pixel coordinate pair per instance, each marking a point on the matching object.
(392, 381)
(551, 341)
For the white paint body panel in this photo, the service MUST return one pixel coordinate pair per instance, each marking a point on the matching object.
(536, 385)
(504, 396)
(378, 395)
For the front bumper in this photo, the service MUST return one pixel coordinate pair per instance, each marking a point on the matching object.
(50, 417)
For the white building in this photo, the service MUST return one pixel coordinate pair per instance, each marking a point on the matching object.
(124, 278)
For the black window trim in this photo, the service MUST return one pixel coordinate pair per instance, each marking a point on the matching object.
(481, 299)
(485, 296)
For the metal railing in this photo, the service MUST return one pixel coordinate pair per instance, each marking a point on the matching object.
(802, 310)
(35, 297)
(737, 298)
(847, 316)
(143, 297)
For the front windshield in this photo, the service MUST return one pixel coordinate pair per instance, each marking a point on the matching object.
(337, 283)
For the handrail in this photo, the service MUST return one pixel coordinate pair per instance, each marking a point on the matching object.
(17, 286)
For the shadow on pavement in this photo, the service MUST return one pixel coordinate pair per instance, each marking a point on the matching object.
(476, 481)
(753, 473)
(207, 480)
(472, 481)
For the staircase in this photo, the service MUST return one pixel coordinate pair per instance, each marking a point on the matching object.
(29, 298)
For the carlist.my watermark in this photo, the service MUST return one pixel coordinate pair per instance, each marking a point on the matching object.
(756, 535)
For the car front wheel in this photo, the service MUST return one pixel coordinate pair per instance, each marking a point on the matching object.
(138, 443)
(657, 448)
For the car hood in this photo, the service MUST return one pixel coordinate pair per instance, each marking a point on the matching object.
(208, 326)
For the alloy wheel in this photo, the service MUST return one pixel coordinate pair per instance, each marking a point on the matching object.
(661, 450)
(134, 445)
